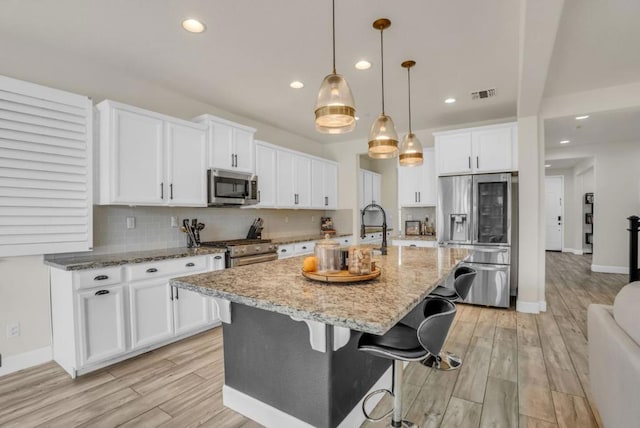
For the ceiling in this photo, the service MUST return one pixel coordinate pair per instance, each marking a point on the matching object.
(563, 163)
(614, 126)
(252, 50)
(596, 46)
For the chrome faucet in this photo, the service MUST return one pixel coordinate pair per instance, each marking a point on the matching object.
(383, 248)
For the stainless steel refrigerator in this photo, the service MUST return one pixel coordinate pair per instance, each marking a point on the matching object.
(479, 212)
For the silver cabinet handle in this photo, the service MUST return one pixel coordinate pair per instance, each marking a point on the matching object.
(171, 191)
(190, 264)
(102, 292)
(161, 190)
(232, 165)
(217, 257)
(477, 162)
(469, 162)
(326, 201)
(152, 270)
(258, 196)
(177, 293)
(100, 278)
(284, 250)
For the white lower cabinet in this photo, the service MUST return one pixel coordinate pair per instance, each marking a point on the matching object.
(150, 311)
(102, 316)
(102, 323)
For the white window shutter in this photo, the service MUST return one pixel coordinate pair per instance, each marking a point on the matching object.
(45, 170)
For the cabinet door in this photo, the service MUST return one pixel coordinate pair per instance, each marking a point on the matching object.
(428, 179)
(367, 188)
(453, 153)
(492, 150)
(186, 165)
(302, 181)
(266, 172)
(285, 190)
(151, 312)
(221, 145)
(190, 311)
(331, 186)
(218, 264)
(243, 150)
(376, 188)
(318, 184)
(102, 324)
(408, 185)
(138, 170)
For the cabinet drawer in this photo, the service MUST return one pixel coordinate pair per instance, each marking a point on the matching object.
(97, 277)
(167, 267)
(303, 248)
(285, 251)
(345, 240)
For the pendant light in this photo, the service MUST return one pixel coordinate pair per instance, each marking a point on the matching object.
(383, 139)
(335, 109)
(410, 146)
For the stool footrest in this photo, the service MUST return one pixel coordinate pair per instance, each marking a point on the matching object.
(364, 403)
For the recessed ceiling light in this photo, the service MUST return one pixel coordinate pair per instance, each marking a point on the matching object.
(363, 65)
(547, 165)
(450, 100)
(193, 25)
(296, 84)
(582, 117)
(565, 141)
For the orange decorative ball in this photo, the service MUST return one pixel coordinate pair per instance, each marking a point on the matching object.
(310, 264)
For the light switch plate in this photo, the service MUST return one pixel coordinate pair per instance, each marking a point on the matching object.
(131, 222)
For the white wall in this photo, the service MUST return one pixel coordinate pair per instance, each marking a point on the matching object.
(615, 182)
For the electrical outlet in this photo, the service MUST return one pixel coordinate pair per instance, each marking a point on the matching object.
(131, 222)
(13, 330)
(174, 221)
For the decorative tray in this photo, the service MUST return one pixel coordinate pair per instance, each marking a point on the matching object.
(341, 276)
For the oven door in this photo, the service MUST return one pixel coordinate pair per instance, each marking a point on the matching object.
(249, 260)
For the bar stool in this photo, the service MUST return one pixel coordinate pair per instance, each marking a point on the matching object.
(404, 343)
(463, 279)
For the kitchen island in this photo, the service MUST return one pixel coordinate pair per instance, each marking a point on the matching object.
(290, 344)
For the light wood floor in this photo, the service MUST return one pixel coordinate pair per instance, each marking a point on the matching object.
(519, 370)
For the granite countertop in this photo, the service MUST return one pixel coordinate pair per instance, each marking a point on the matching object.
(408, 276)
(304, 238)
(95, 261)
(415, 238)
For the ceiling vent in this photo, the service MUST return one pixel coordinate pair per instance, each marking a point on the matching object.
(485, 93)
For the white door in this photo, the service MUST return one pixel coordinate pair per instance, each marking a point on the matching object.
(190, 311)
(186, 165)
(331, 186)
(492, 150)
(554, 194)
(285, 187)
(138, 159)
(317, 184)
(220, 152)
(266, 172)
(151, 310)
(243, 150)
(454, 153)
(102, 324)
(302, 181)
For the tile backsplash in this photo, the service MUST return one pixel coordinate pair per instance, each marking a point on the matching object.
(418, 214)
(153, 228)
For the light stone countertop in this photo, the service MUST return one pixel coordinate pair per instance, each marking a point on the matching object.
(96, 261)
(408, 276)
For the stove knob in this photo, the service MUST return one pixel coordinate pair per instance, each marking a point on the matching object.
(244, 250)
(257, 249)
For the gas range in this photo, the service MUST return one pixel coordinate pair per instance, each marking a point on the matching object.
(242, 252)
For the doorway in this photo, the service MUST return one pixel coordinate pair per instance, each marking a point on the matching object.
(554, 217)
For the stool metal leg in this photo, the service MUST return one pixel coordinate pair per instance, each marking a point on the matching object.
(396, 419)
(443, 361)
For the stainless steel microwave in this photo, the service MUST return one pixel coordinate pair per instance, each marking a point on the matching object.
(231, 188)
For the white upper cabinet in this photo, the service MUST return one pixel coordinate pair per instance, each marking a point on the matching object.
(371, 187)
(293, 180)
(417, 184)
(147, 158)
(266, 172)
(285, 192)
(324, 184)
(477, 150)
(231, 144)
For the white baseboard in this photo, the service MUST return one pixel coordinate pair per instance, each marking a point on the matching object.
(609, 269)
(25, 360)
(269, 416)
(573, 250)
(531, 307)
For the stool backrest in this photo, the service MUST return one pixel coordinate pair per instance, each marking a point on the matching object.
(464, 277)
(432, 332)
